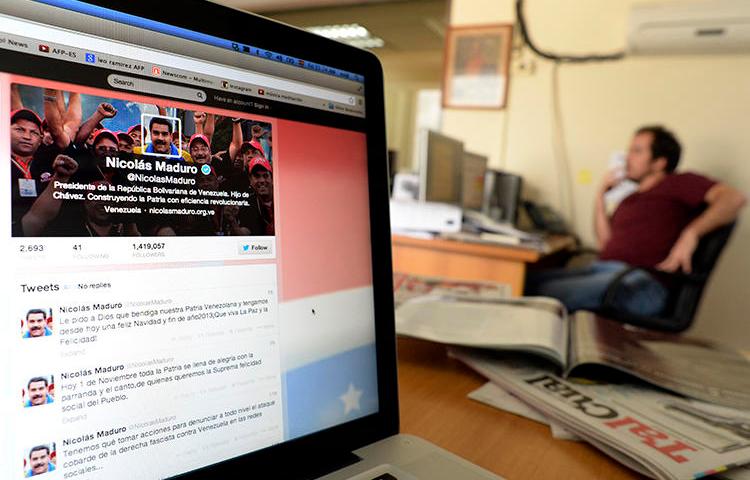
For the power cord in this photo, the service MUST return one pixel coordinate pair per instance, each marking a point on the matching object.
(523, 27)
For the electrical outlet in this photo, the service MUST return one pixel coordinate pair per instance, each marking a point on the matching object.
(525, 66)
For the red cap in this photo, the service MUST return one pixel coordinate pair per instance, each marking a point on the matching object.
(104, 133)
(259, 162)
(25, 114)
(247, 145)
(134, 127)
(257, 145)
(199, 136)
(125, 136)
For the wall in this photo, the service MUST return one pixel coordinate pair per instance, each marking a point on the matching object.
(412, 57)
(405, 74)
(704, 99)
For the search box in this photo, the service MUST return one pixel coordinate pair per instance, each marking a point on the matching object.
(156, 88)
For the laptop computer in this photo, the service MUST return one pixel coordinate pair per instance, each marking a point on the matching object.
(200, 281)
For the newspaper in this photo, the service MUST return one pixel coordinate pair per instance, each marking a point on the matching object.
(476, 315)
(535, 325)
(741, 473)
(662, 435)
(494, 396)
(690, 366)
(408, 287)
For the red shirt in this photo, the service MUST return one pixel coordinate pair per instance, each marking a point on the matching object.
(646, 225)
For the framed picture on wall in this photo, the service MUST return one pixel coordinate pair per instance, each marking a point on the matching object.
(477, 60)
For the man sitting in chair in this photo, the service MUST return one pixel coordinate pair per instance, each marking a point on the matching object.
(656, 228)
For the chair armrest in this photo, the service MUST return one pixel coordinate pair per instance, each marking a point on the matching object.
(679, 277)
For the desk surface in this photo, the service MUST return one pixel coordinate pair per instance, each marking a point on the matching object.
(434, 406)
(470, 261)
(521, 253)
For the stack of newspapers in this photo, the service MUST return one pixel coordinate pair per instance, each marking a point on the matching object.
(667, 406)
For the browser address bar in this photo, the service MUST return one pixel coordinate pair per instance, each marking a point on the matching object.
(88, 42)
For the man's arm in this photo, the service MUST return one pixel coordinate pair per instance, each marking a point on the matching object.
(199, 118)
(54, 118)
(104, 110)
(724, 204)
(73, 115)
(601, 219)
(15, 98)
(209, 126)
(237, 139)
(46, 207)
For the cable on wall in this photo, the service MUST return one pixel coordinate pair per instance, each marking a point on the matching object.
(559, 145)
(555, 57)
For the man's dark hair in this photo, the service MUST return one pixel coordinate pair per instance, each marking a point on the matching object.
(35, 311)
(38, 448)
(159, 121)
(37, 379)
(664, 144)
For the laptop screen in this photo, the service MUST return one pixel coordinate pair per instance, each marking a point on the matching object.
(188, 267)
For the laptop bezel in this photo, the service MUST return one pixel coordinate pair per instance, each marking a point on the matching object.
(247, 28)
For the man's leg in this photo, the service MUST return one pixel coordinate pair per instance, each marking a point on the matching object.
(584, 288)
(641, 294)
(579, 288)
(535, 278)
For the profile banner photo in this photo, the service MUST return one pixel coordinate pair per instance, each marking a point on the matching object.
(84, 165)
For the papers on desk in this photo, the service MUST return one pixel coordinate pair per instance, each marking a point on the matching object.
(692, 420)
(410, 287)
(656, 433)
(484, 238)
(482, 229)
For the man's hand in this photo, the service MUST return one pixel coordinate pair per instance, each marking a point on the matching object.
(106, 110)
(64, 168)
(610, 180)
(231, 214)
(199, 118)
(681, 255)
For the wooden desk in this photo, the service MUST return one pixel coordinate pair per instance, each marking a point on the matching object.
(434, 406)
(469, 261)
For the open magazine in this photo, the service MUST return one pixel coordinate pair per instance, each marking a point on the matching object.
(656, 433)
(580, 345)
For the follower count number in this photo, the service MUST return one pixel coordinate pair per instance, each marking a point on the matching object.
(149, 246)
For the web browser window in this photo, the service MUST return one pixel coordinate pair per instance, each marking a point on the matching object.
(173, 296)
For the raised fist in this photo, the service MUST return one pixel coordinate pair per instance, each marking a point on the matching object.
(64, 167)
(106, 110)
(199, 118)
(231, 213)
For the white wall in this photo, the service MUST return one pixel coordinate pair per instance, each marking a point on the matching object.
(405, 74)
(704, 99)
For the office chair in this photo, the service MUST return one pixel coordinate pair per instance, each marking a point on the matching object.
(686, 293)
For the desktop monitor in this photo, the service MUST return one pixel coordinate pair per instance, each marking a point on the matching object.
(473, 172)
(503, 194)
(441, 159)
(193, 274)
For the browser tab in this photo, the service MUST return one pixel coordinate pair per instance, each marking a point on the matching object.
(123, 58)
